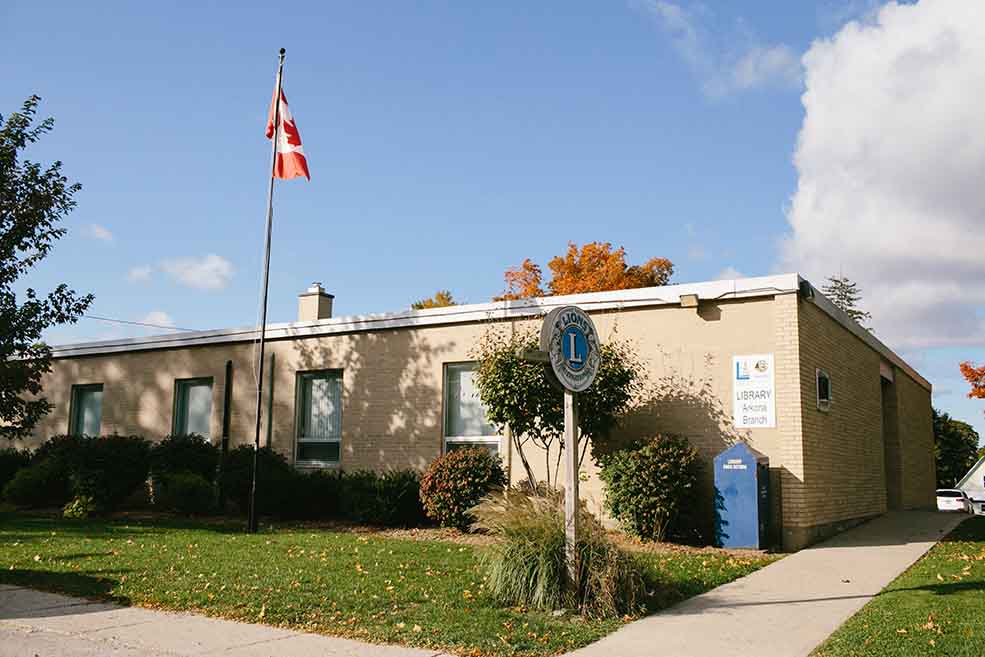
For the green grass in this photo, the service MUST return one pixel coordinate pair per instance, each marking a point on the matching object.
(419, 593)
(937, 607)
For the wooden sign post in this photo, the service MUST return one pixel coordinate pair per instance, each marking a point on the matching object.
(569, 347)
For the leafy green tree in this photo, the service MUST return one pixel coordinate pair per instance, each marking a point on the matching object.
(846, 294)
(33, 200)
(955, 448)
(441, 299)
(518, 394)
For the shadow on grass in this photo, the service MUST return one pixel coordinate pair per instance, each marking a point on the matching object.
(29, 602)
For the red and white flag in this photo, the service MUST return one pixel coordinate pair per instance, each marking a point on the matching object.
(290, 161)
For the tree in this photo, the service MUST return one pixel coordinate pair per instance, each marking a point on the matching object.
(33, 200)
(955, 448)
(595, 267)
(518, 394)
(846, 294)
(441, 299)
(976, 379)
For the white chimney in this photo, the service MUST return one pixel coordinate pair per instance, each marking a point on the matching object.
(314, 303)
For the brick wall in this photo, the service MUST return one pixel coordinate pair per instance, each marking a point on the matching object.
(916, 440)
(843, 447)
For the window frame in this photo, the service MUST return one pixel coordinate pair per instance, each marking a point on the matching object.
(823, 405)
(73, 407)
(479, 441)
(176, 405)
(299, 417)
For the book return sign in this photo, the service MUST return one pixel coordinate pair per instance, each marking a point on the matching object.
(753, 392)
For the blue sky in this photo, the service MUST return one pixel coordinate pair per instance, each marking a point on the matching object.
(446, 141)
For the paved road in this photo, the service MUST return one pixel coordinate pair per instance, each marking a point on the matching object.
(783, 610)
(789, 607)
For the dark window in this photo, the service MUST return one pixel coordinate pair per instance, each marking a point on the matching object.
(823, 390)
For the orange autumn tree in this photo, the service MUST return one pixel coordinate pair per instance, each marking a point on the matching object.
(976, 377)
(441, 299)
(595, 267)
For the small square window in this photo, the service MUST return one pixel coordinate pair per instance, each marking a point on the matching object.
(192, 407)
(823, 391)
(86, 411)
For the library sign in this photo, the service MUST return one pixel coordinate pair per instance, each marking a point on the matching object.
(753, 392)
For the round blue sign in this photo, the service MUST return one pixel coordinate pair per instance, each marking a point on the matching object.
(569, 337)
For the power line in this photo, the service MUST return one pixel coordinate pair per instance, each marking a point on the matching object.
(126, 321)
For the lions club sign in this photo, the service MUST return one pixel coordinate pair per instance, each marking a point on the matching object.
(569, 338)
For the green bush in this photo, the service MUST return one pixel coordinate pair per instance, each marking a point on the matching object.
(185, 492)
(11, 461)
(314, 496)
(456, 482)
(391, 499)
(276, 480)
(109, 468)
(527, 566)
(189, 453)
(43, 484)
(647, 486)
(80, 508)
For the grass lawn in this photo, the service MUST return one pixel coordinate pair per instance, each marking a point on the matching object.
(937, 607)
(366, 586)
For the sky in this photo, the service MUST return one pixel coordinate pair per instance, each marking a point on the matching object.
(449, 141)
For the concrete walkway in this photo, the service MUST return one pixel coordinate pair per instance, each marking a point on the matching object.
(783, 610)
(788, 608)
(48, 625)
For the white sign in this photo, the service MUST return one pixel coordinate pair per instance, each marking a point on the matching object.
(572, 345)
(753, 392)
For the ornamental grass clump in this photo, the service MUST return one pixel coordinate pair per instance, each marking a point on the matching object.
(527, 566)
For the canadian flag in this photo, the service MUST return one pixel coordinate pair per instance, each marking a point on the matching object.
(290, 161)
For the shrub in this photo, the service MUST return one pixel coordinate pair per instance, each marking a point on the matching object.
(189, 453)
(11, 461)
(391, 499)
(648, 485)
(314, 496)
(527, 566)
(80, 508)
(456, 482)
(186, 492)
(276, 480)
(40, 485)
(109, 468)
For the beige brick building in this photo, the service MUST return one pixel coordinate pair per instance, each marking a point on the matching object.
(848, 435)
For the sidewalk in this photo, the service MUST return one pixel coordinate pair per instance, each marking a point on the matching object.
(48, 625)
(791, 606)
(783, 610)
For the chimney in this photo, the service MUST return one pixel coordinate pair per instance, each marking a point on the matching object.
(314, 304)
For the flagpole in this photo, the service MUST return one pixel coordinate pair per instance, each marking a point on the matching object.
(252, 521)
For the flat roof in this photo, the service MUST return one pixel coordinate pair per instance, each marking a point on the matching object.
(666, 295)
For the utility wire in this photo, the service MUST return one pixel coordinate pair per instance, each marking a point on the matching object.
(126, 321)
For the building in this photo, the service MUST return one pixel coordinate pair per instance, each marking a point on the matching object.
(845, 422)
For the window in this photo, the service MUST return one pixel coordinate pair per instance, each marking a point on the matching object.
(193, 407)
(319, 417)
(86, 411)
(823, 391)
(465, 416)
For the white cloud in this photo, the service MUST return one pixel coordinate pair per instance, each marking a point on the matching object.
(97, 232)
(891, 159)
(139, 274)
(728, 274)
(157, 318)
(211, 272)
(728, 62)
(697, 252)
